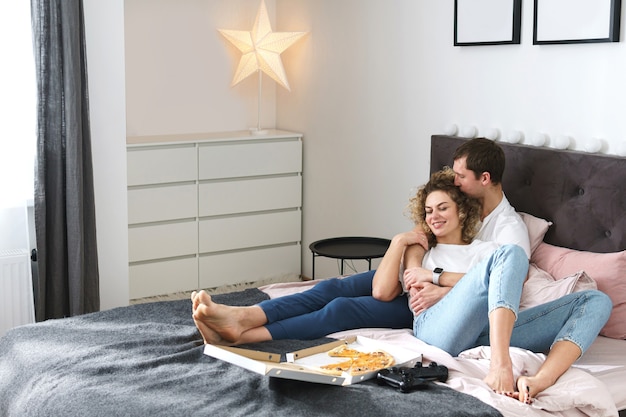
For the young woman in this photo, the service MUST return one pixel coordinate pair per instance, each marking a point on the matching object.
(481, 308)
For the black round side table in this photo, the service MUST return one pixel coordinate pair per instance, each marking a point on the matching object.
(343, 248)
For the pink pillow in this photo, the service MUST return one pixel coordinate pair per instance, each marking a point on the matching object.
(537, 229)
(541, 287)
(608, 270)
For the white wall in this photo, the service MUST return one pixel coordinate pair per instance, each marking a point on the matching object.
(370, 84)
(179, 68)
(376, 79)
(104, 23)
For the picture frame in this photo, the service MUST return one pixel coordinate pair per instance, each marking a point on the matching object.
(576, 21)
(487, 22)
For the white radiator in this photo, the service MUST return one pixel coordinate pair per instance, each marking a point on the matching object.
(16, 290)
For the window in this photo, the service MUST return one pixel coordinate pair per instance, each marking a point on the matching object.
(18, 123)
(18, 98)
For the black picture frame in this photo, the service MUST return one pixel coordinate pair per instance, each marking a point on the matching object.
(487, 22)
(576, 21)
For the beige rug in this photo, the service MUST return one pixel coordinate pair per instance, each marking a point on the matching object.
(217, 290)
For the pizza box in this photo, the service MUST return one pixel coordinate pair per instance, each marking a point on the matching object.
(302, 365)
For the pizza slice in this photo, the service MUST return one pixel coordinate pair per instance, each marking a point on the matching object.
(343, 351)
(370, 362)
(337, 368)
(359, 362)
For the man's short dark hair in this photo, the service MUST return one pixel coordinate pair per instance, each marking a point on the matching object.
(482, 155)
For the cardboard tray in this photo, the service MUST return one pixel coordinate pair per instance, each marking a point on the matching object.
(301, 365)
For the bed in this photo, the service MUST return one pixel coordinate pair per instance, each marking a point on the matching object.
(148, 359)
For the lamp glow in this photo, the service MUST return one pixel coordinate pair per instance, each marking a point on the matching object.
(450, 129)
(593, 145)
(469, 132)
(493, 134)
(514, 136)
(539, 139)
(562, 142)
(261, 49)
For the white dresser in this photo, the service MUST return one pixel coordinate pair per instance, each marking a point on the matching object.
(206, 210)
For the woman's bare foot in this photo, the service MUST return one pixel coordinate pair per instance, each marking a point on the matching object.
(210, 336)
(500, 379)
(529, 386)
(218, 323)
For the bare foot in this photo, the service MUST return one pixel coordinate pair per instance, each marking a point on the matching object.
(194, 302)
(210, 336)
(500, 379)
(218, 323)
(529, 386)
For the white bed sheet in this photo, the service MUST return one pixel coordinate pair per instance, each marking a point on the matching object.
(595, 386)
(606, 360)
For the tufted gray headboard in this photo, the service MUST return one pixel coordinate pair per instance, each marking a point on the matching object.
(583, 194)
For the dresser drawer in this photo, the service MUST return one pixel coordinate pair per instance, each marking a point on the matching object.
(243, 196)
(279, 263)
(163, 277)
(227, 203)
(162, 164)
(228, 233)
(162, 241)
(246, 159)
(161, 203)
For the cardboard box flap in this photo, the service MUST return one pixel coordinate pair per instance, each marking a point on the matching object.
(303, 353)
(254, 354)
(229, 355)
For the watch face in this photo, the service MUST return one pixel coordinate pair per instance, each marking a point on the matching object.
(438, 270)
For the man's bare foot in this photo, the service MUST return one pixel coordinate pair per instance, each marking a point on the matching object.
(500, 379)
(218, 323)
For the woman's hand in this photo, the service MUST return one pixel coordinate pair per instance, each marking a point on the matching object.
(416, 275)
(412, 237)
(425, 295)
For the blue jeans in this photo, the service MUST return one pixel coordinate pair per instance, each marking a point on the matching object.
(576, 317)
(457, 321)
(331, 306)
(460, 320)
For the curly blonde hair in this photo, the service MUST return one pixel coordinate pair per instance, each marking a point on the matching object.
(469, 209)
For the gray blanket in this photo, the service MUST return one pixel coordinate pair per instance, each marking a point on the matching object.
(147, 360)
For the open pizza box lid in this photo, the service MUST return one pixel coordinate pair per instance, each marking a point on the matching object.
(303, 365)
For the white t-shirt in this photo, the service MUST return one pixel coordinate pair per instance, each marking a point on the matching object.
(505, 226)
(455, 258)
(458, 258)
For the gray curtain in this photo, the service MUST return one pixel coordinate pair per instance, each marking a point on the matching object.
(67, 282)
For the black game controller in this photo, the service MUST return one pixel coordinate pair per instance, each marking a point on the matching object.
(407, 379)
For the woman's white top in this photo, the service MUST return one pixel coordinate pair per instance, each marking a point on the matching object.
(458, 258)
(454, 258)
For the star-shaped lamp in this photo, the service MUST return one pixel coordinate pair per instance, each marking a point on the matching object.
(261, 49)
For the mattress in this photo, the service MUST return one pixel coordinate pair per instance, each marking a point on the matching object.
(605, 360)
(596, 386)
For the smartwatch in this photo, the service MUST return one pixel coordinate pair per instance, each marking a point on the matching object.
(436, 274)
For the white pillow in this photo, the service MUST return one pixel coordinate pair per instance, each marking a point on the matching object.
(541, 287)
(537, 229)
